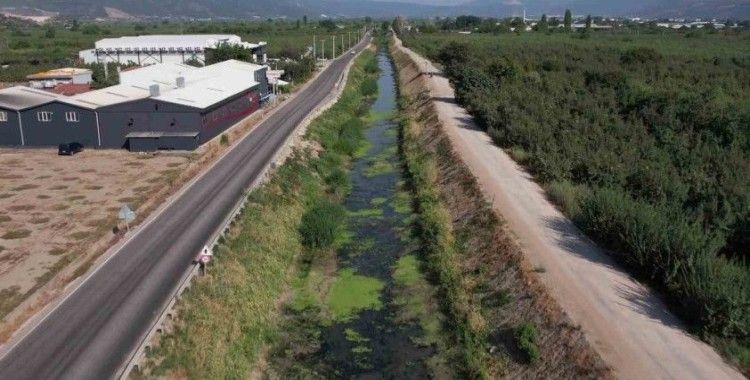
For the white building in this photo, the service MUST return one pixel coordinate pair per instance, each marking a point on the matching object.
(52, 78)
(175, 48)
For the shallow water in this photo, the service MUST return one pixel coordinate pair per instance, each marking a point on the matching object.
(374, 343)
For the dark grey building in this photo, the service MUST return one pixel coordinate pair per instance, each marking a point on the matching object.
(167, 106)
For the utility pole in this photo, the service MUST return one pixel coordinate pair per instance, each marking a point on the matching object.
(315, 56)
(333, 47)
(323, 49)
(350, 39)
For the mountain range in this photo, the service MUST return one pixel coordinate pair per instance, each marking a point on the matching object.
(739, 9)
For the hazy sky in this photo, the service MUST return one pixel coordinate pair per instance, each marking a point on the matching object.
(431, 2)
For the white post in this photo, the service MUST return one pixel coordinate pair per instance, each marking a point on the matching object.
(20, 128)
(98, 132)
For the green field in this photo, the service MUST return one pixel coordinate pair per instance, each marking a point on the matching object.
(642, 139)
(27, 48)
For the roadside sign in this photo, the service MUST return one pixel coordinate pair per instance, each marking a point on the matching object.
(204, 257)
(127, 215)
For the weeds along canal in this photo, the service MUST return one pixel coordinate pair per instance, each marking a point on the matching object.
(374, 313)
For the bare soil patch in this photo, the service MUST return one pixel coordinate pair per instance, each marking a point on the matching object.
(60, 209)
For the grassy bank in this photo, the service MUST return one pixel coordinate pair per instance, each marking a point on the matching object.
(504, 322)
(231, 314)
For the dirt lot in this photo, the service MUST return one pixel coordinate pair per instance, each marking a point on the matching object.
(57, 210)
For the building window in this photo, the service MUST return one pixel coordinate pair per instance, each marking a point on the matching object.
(44, 116)
(3, 116)
(71, 117)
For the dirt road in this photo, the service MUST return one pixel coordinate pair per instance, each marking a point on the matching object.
(625, 322)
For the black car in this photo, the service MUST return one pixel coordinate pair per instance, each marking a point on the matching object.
(69, 149)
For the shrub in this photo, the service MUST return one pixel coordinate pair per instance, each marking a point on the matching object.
(224, 139)
(338, 182)
(371, 67)
(565, 195)
(350, 136)
(369, 87)
(526, 337)
(321, 224)
(19, 44)
(640, 55)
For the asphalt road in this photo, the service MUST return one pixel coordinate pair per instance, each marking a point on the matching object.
(91, 333)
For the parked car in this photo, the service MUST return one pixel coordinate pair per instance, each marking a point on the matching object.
(69, 149)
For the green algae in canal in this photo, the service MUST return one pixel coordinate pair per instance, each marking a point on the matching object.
(372, 310)
(352, 293)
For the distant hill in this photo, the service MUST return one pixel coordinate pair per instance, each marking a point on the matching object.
(232, 8)
(389, 8)
(630, 8)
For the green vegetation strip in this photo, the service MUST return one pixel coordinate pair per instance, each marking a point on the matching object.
(439, 245)
(229, 315)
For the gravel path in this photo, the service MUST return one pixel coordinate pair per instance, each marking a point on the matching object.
(624, 320)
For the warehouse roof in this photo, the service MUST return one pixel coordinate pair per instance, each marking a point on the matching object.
(112, 95)
(212, 84)
(166, 41)
(162, 72)
(21, 98)
(203, 86)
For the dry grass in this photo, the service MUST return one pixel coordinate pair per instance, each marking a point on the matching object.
(15, 234)
(27, 186)
(39, 220)
(16, 208)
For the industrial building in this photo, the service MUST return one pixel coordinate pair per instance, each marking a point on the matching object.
(52, 78)
(153, 49)
(163, 106)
